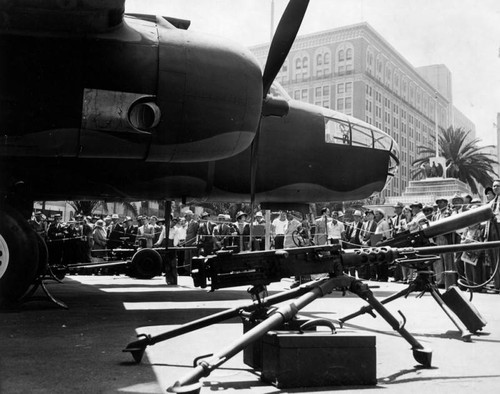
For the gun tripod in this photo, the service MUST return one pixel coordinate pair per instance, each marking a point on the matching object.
(423, 284)
(306, 293)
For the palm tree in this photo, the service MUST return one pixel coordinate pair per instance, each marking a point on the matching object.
(464, 160)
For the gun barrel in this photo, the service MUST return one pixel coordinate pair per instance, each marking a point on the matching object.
(456, 248)
(459, 221)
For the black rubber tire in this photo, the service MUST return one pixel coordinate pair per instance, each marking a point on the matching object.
(19, 262)
(146, 264)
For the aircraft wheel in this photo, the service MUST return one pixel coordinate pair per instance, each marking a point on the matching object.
(19, 255)
(146, 264)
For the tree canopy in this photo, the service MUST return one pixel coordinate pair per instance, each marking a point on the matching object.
(465, 160)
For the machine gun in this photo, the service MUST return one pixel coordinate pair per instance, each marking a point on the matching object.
(263, 267)
(440, 227)
(464, 317)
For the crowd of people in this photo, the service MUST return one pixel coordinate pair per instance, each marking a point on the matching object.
(85, 236)
(373, 227)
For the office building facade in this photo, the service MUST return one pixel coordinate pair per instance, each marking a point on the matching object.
(354, 70)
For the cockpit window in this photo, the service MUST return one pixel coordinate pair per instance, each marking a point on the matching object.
(340, 129)
(337, 132)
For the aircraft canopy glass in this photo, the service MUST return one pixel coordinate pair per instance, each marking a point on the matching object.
(342, 129)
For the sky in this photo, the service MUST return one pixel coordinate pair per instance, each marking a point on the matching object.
(464, 35)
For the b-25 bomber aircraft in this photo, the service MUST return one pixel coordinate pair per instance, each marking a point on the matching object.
(97, 104)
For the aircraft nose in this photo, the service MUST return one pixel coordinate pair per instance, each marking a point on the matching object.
(210, 97)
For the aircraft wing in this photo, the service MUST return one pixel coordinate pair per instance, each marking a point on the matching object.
(71, 16)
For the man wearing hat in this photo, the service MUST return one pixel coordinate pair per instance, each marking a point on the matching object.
(242, 236)
(353, 233)
(428, 211)
(443, 211)
(129, 232)
(353, 230)
(153, 221)
(115, 232)
(396, 221)
(221, 233)
(191, 239)
(38, 224)
(259, 232)
(457, 204)
(369, 227)
(205, 235)
(55, 236)
(383, 231)
(419, 220)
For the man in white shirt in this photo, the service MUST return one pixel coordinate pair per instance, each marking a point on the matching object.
(294, 225)
(321, 227)
(278, 228)
(336, 229)
(383, 230)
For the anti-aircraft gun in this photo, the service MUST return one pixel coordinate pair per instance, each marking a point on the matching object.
(260, 268)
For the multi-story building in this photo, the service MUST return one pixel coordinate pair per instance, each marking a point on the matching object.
(354, 70)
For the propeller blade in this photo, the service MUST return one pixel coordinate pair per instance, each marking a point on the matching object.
(253, 166)
(283, 39)
(253, 179)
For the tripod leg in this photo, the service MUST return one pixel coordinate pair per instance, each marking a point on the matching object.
(420, 354)
(137, 348)
(191, 383)
(465, 333)
(369, 308)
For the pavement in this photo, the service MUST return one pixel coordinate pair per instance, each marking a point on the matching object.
(46, 349)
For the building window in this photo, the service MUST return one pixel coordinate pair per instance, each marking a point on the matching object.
(345, 55)
(305, 67)
(369, 61)
(322, 65)
(348, 102)
(340, 88)
(348, 87)
(340, 104)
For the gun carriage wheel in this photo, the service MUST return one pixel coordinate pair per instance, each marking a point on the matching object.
(146, 264)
